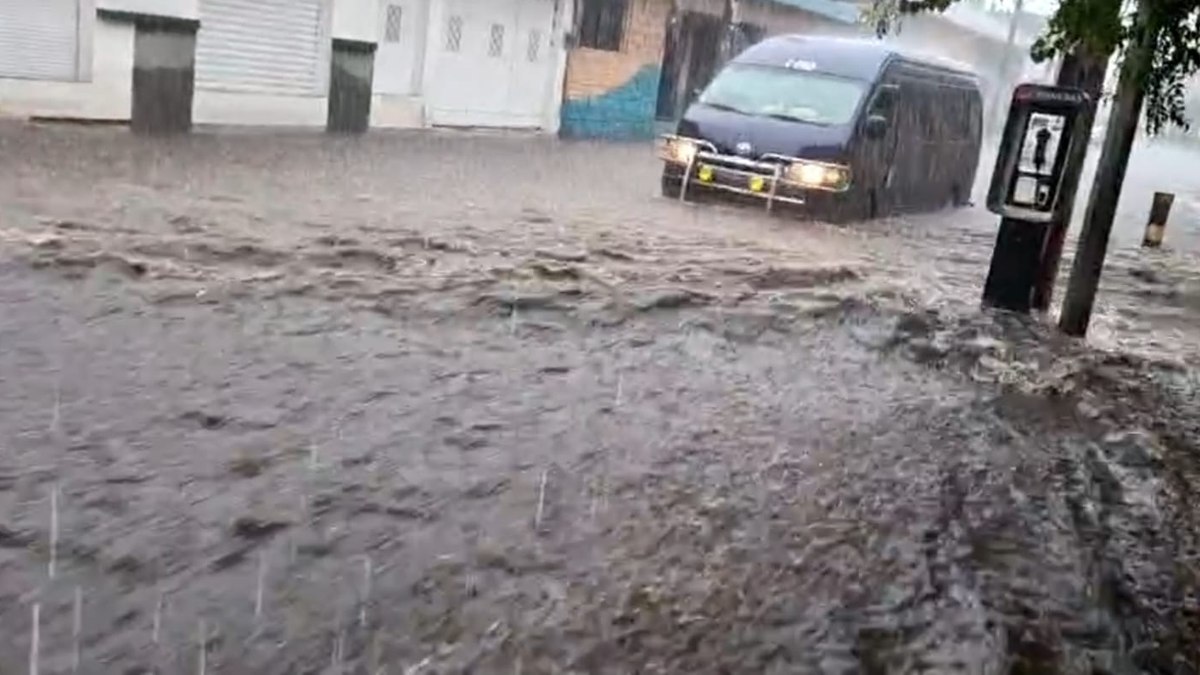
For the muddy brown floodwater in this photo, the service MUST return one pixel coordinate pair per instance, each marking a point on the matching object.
(449, 404)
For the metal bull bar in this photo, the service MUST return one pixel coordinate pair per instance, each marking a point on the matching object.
(772, 169)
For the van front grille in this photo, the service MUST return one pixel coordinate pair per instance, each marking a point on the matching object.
(762, 167)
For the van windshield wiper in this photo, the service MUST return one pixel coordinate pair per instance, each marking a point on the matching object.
(726, 107)
(793, 118)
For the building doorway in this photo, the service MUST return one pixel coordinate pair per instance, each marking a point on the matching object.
(690, 55)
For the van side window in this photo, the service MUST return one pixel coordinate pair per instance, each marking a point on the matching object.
(932, 113)
(961, 114)
(952, 116)
(945, 114)
(974, 114)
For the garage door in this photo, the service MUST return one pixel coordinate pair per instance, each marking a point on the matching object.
(494, 63)
(267, 46)
(39, 39)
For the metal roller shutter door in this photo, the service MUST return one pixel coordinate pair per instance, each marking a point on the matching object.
(39, 39)
(269, 46)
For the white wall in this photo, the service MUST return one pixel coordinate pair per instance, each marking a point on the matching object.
(356, 20)
(107, 96)
(563, 21)
(397, 112)
(226, 107)
(182, 8)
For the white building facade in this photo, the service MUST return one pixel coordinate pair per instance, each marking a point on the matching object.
(488, 63)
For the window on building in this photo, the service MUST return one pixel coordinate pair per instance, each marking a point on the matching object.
(535, 46)
(454, 27)
(602, 24)
(496, 44)
(395, 17)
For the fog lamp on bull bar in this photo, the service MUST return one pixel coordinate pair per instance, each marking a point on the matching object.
(819, 176)
(758, 183)
(706, 174)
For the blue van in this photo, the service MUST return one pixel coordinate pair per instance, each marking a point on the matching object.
(843, 128)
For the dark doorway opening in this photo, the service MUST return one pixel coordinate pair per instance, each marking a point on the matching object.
(693, 46)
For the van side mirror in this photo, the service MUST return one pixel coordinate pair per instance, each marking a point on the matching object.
(877, 126)
(885, 99)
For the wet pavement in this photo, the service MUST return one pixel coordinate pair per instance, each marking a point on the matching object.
(434, 403)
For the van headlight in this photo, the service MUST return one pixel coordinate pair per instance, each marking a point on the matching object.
(819, 176)
(678, 150)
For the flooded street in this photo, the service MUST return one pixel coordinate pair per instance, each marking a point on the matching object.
(449, 403)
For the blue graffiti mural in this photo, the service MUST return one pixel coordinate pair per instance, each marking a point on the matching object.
(623, 113)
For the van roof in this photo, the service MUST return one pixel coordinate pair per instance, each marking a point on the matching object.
(847, 57)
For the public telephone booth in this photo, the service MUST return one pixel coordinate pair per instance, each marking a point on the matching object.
(1044, 140)
(1042, 129)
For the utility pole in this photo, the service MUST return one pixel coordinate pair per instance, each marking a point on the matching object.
(1110, 176)
(1000, 95)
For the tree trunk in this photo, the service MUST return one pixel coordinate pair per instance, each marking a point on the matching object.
(1085, 70)
(1110, 176)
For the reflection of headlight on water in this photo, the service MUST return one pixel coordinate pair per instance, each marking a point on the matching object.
(811, 174)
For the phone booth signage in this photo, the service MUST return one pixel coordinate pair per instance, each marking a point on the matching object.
(1044, 126)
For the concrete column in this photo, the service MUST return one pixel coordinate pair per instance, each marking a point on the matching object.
(352, 70)
(164, 66)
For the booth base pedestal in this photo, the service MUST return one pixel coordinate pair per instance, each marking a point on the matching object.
(1015, 265)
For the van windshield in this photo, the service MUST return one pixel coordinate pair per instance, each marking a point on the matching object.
(784, 92)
